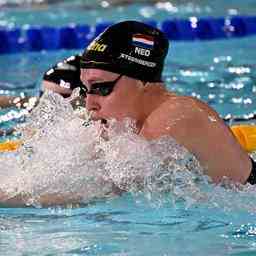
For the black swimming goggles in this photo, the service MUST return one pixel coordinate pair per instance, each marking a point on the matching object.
(99, 88)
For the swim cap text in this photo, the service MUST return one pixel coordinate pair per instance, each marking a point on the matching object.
(142, 51)
(138, 61)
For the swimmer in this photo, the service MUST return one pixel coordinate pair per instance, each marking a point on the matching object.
(121, 72)
(62, 78)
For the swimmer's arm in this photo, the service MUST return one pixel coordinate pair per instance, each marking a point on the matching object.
(50, 199)
(13, 101)
(46, 200)
(6, 101)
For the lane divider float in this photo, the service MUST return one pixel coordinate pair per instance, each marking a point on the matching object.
(77, 36)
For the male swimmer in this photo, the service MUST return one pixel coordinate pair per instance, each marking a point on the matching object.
(121, 72)
(62, 78)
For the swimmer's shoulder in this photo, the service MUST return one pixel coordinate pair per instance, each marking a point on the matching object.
(186, 106)
(177, 105)
(181, 113)
(173, 113)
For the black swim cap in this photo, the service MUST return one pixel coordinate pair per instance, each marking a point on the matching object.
(130, 48)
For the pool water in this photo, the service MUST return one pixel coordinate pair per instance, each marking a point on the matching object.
(189, 217)
(124, 226)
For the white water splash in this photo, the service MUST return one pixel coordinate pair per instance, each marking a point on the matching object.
(56, 156)
(62, 156)
(153, 168)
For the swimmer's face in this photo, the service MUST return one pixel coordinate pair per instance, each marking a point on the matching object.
(119, 102)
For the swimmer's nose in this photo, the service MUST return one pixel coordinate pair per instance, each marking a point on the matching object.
(91, 103)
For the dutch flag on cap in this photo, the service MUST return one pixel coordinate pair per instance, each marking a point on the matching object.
(143, 41)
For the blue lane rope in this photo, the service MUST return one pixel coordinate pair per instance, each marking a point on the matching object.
(37, 38)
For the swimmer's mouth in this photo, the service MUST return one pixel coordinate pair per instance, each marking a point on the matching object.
(89, 121)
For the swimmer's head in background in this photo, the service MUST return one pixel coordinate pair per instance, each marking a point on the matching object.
(129, 48)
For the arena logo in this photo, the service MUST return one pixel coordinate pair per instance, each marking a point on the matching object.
(94, 46)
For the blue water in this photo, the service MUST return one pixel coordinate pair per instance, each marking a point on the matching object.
(125, 227)
(221, 73)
